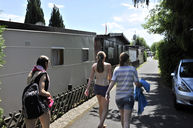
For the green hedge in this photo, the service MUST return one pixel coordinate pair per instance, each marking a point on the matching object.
(169, 55)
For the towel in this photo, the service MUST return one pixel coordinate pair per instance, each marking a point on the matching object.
(139, 96)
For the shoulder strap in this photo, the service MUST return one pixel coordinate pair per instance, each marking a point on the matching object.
(39, 74)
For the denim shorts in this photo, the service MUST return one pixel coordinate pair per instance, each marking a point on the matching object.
(100, 90)
(125, 103)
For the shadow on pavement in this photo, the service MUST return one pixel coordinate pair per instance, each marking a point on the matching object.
(160, 112)
(112, 114)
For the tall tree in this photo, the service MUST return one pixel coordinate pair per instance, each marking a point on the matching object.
(34, 12)
(56, 19)
(173, 19)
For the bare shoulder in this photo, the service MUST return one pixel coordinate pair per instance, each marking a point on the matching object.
(107, 64)
(94, 65)
(43, 77)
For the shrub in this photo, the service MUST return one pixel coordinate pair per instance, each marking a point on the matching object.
(169, 54)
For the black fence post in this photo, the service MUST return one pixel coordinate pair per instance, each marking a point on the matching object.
(70, 87)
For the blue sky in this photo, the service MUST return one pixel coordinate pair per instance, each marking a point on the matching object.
(89, 15)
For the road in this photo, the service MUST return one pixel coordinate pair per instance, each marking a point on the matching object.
(159, 113)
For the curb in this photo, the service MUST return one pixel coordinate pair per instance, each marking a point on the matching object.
(68, 118)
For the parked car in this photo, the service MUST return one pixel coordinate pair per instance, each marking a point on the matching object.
(182, 83)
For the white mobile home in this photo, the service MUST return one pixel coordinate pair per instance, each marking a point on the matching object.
(71, 53)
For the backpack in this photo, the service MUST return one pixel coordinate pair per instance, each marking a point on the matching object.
(32, 106)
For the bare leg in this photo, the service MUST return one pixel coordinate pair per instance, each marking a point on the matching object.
(122, 117)
(127, 118)
(103, 110)
(30, 123)
(100, 107)
(105, 106)
(45, 120)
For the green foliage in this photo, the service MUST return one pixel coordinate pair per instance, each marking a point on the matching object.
(159, 20)
(34, 12)
(56, 19)
(145, 56)
(174, 20)
(154, 47)
(169, 54)
(136, 2)
(141, 42)
(182, 23)
(2, 46)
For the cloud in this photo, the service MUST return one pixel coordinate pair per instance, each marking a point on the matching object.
(129, 6)
(113, 25)
(117, 19)
(12, 17)
(130, 22)
(51, 5)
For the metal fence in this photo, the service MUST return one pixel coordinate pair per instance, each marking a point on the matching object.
(62, 103)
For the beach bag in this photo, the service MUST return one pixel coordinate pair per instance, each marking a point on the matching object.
(32, 105)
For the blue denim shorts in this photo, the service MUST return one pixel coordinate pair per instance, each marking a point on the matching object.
(100, 90)
(125, 103)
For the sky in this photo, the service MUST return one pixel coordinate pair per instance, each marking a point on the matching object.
(120, 16)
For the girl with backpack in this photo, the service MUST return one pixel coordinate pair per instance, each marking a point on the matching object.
(39, 75)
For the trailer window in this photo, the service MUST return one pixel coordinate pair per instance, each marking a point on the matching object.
(57, 57)
(85, 54)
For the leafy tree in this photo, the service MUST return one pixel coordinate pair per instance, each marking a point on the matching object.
(34, 12)
(136, 2)
(56, 19)
(173, 19)
(140, 41)
(2, 46)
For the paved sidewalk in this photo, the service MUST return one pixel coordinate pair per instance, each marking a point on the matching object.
(86, 115)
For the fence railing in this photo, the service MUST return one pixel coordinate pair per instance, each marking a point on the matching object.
(62, 103)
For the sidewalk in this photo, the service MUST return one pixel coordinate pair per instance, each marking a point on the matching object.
(86, 115)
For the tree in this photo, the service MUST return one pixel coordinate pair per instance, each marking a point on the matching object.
(2, 46)
(140, 41)
(56, 19)
(136, 2)
(173, 19)
(34, 12)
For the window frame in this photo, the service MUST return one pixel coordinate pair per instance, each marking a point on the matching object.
(82, 53)
(59, 60)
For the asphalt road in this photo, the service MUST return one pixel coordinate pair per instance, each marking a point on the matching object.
(159, 113)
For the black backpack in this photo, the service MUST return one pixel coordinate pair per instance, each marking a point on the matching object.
(32, 105)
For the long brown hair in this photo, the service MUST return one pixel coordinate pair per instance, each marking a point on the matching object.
(123, 58)
(42, 60)
(100, 57)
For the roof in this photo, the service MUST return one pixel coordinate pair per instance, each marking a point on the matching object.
(23, 26)
(116, 35)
